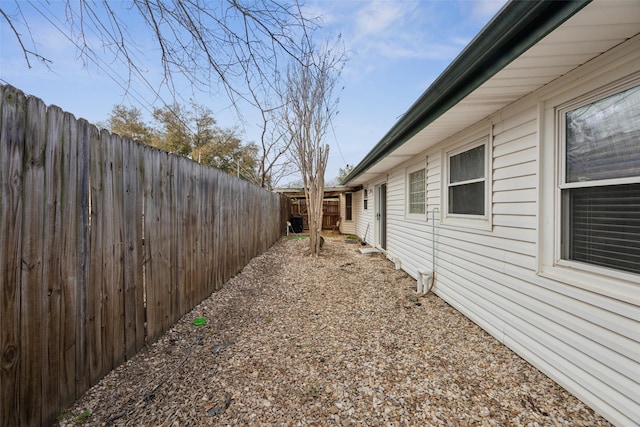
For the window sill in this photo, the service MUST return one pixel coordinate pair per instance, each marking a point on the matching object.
(415, 217)
(477, 223)
(614, 284)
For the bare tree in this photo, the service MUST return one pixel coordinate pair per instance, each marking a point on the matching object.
(215, 45)
(308, 110)
(273, 162)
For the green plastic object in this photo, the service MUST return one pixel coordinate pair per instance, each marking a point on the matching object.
(199, 321)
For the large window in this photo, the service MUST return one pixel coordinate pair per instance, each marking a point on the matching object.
(417, 192)
(600, 182)
(466, 186)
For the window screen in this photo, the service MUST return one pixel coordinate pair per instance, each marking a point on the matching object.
(467, 182)
(603, 138)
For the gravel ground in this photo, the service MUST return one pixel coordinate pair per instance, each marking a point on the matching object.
(337, 340)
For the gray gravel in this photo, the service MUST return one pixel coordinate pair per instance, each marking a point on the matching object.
(337, 340)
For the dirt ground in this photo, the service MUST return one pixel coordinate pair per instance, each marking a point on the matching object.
(336, 340)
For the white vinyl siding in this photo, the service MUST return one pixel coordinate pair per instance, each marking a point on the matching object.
(349, 226)
(409, 237)
(363, 217)
(584, 337)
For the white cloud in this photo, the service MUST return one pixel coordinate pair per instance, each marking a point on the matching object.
(485, 9)
(402, 30)
(376, 17)
(319, 11)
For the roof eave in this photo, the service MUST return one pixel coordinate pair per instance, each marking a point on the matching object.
(518, 26)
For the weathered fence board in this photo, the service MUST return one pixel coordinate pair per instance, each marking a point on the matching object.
(132, 246)
(104, 202)
(83, 380)
(156, 263)
(117, 285)
(104, 244)
(64, 243)
(31, 258)
(95, 298)
(51, 305)
(67, 242)
(11, 161)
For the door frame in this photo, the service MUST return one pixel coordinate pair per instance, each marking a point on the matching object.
(381, 216)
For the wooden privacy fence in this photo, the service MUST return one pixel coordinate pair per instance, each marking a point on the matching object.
(104, 244)
(330, 212)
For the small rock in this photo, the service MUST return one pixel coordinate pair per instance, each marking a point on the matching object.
(334, 410)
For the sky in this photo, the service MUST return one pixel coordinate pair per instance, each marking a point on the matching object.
(396, 49)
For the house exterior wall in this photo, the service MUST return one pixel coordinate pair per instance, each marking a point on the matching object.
(582, 331)
(348, 227)
(363, 218)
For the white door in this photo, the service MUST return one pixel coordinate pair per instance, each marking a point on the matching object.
(381, 216)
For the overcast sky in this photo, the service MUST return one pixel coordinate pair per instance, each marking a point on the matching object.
(396, 49)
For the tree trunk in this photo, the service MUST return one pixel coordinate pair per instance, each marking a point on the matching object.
(314, 192)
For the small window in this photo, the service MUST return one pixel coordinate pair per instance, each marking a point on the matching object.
(348, 206)
(417, 192)
(467, 181)
(600, 189)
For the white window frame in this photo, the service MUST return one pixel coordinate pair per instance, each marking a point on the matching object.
(422, 165)
(467, 220)
(552, 183)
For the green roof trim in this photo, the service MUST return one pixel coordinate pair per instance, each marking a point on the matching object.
(518, 26)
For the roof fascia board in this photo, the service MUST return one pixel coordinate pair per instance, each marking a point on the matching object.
(518, 26)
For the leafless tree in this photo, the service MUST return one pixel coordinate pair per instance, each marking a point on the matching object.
(217, 45)
(274, 144)
(309, 107)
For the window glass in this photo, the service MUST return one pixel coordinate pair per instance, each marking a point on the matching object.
(416, 192)
(467, 166)
(603, 138)
(604, 226)
(467, 199)
(466, 192)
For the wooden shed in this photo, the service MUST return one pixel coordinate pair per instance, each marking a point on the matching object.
(338, 207)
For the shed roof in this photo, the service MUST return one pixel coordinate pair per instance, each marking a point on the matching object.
(524, 47)
(297, 192)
